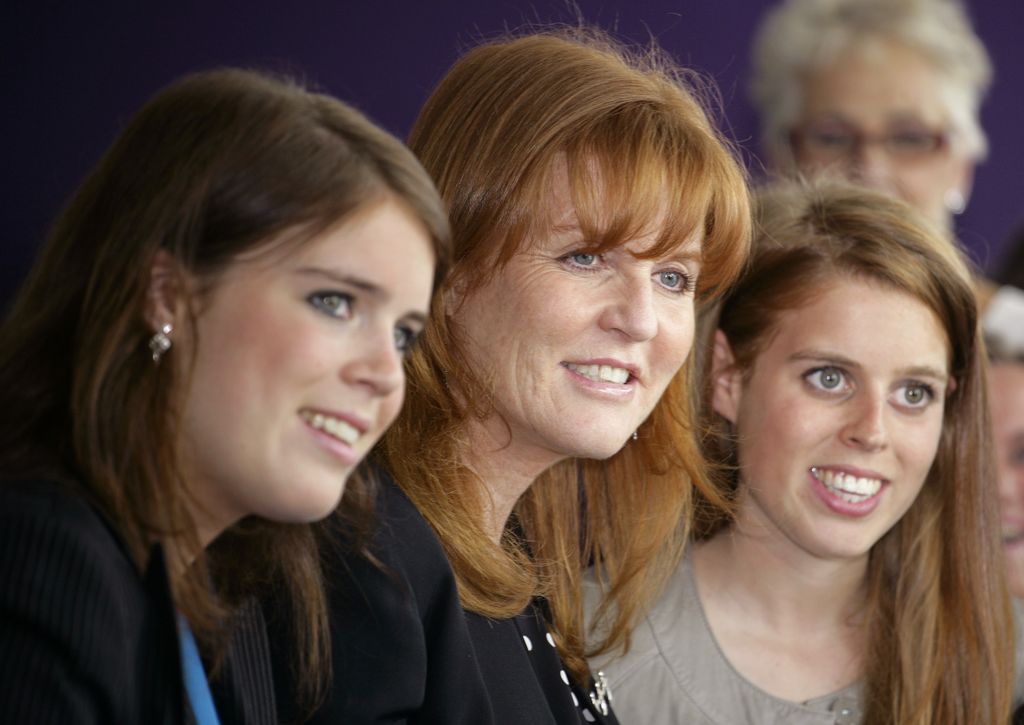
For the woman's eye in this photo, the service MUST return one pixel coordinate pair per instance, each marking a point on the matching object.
(405, 339)
(335, 304)
(674, 280)
(583, 259)
(828, 379)
(916, 395)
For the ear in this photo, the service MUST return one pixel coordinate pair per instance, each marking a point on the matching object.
(164, 297)
(726, 379)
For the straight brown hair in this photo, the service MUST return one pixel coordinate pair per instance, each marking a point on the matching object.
(217, 165)
(938, 614)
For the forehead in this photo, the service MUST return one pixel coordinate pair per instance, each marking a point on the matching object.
(874, 325)
(873, 82)
(603, 217)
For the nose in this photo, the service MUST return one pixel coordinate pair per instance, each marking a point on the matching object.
(374, 362)
(870, 165)
(866, 428)
(631, 308)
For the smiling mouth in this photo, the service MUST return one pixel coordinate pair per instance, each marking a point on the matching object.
(602, 373)
(852, 489)
(334, 427)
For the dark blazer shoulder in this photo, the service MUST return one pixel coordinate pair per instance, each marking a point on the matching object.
(85, 636)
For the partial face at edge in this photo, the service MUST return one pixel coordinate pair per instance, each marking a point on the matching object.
(1006, 401)
(838, 421)
(298, 369)
(579, 346)
(885, 89)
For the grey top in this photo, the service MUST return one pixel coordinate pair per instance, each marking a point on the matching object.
(675, 672)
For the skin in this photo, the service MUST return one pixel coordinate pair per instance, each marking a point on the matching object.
(783, 586)
(1006, 400)
(318, 328)
(877, 86)
(554, 305)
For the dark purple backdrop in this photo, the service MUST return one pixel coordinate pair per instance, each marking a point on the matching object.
(73, 72)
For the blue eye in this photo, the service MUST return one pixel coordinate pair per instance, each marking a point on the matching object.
(583, 259)
(334, 304)
(405, 339)
(828, 379)
(674, 280)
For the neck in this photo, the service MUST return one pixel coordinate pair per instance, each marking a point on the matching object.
(758, 577)
(505, 470)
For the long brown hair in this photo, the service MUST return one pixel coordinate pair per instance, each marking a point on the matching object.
(938, 617)
(490, 135)
(218, 164)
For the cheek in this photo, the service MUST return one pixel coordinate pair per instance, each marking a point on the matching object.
(675, 340)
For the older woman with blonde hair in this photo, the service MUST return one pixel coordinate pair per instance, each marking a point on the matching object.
(885, 93)
(547, 425)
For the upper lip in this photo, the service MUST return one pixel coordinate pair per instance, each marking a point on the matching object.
(852, 471)
(634, 370)
(360, 424)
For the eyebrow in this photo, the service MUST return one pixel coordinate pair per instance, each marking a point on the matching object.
(916, 371)
(341, 278)
(359, 283)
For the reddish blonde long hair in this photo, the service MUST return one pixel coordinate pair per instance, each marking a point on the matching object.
(490, 136)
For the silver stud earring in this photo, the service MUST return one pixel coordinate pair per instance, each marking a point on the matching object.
(954, 201)
(160, 342)
(635, 436)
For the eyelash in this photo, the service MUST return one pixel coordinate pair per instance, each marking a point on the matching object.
(685, 286)
(346, 302)
(929, 391)
(405, 339)
(340, 306)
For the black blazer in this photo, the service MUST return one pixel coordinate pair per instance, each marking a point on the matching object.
(86, 638)
(400, 647)
(405, 651)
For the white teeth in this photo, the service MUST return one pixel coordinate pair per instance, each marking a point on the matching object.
(607, 373)
(853, 489)
(343, 431)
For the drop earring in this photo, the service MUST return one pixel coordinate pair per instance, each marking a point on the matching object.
(635, 436)
(160, 342)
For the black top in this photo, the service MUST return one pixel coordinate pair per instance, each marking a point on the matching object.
(400, 649)
(527, 682)
(405, 651)
(84, 637)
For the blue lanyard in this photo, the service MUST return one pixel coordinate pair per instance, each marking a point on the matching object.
(196, 686)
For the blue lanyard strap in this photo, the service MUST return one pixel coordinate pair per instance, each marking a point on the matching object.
(196, 686)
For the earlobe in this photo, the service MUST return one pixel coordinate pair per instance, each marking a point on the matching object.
(726, 379)
(164, 294)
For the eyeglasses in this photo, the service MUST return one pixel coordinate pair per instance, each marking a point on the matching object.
(834, 141)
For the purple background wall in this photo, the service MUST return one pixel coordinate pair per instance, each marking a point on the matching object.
(73, 72)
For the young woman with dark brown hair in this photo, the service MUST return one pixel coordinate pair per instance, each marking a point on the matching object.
(208, 344)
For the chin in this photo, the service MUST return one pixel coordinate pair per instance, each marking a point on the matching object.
(598, 448)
